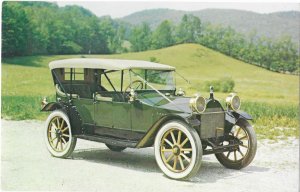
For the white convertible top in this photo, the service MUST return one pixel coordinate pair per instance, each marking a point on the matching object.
(110, 64)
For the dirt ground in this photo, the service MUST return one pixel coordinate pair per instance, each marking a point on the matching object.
(27, 165)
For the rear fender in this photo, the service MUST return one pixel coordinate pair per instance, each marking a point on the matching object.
(72, 113)
(52, 106)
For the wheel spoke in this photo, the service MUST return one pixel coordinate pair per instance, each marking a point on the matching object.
(185, 157)
(228, 154)
(186, 149)
(241, 153)
(173, 137)
(167, 150)
(170, 157)
(64, 140)
(175, 163)
(65, 135)
(179, 137)
(167, 141)
(51, 131)
(61, 145)
(238, 131)
(181, 162)
(58, 124)
(53, 125)
(53, 139)
(184, 142)
(64, 129)
(62, 124)
(244, 137)
(244, 146)
(235, 155)
(56, 144)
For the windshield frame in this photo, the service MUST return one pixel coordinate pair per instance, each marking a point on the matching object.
(169, 83)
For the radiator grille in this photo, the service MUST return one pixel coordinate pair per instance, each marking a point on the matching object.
(212, 119)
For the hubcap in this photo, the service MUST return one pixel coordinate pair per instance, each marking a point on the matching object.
(176, 150)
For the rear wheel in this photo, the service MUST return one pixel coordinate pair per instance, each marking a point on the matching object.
(58, 135)
(115, 148)
(178, 150)
(241, 156)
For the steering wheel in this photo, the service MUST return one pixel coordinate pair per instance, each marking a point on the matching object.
(139, 83)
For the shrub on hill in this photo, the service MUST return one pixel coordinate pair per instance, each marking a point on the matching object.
(224, 85)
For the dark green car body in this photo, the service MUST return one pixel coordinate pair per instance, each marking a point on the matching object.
(120, 119)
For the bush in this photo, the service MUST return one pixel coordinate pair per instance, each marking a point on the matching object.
(225, 85)
(154, 59)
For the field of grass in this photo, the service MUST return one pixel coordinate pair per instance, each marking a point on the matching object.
(270, 97)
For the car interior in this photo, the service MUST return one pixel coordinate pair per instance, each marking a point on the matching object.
(88, 84)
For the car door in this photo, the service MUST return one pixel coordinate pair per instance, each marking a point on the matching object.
(112, 117)
(121, 115)
(142, 117)
(103, 112)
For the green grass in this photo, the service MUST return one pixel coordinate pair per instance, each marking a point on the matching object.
(22, 107)
(273, 121)
(272, 98)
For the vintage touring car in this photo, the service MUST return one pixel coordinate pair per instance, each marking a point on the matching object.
(129, 103)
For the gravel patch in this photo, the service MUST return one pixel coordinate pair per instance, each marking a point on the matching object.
(27, 165)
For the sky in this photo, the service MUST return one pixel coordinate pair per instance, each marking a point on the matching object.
(124, 8)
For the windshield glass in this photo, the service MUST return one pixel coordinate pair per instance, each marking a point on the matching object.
(161, 80)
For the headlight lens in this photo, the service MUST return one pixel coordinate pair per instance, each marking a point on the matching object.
(198, 104)
(233, 101)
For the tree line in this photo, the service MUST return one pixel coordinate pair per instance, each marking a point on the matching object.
(31, 28)
(279, 55)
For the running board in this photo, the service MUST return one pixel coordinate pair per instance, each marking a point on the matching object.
(109, 140)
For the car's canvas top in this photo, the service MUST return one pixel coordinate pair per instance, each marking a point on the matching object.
(110, 64)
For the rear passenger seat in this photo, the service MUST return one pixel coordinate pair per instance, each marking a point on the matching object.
(83, 90)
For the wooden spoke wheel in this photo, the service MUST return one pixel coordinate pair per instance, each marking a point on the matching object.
(178, 150)
(59, 140)
(243, 154)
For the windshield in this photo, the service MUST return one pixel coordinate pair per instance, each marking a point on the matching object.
(161, 80)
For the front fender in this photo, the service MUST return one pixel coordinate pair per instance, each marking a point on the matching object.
(232, 117)
(242, 115)
(149, 137)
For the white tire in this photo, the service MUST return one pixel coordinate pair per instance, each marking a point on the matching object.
(178, 150)
(58, 135)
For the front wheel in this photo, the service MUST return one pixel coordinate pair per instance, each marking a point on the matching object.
(178, 150)
(58, 135)
(241, 156)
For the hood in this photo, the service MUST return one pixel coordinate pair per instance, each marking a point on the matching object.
(178, 103)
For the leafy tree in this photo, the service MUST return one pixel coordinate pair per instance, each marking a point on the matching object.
(14, 29)
(141, 37)
(189, 29)
(163, 36)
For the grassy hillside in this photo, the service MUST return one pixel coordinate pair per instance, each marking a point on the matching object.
(271, 97)
(271, 25)
(195, 62)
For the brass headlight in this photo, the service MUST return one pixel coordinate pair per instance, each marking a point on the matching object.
(198, 104)
(233, 101)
